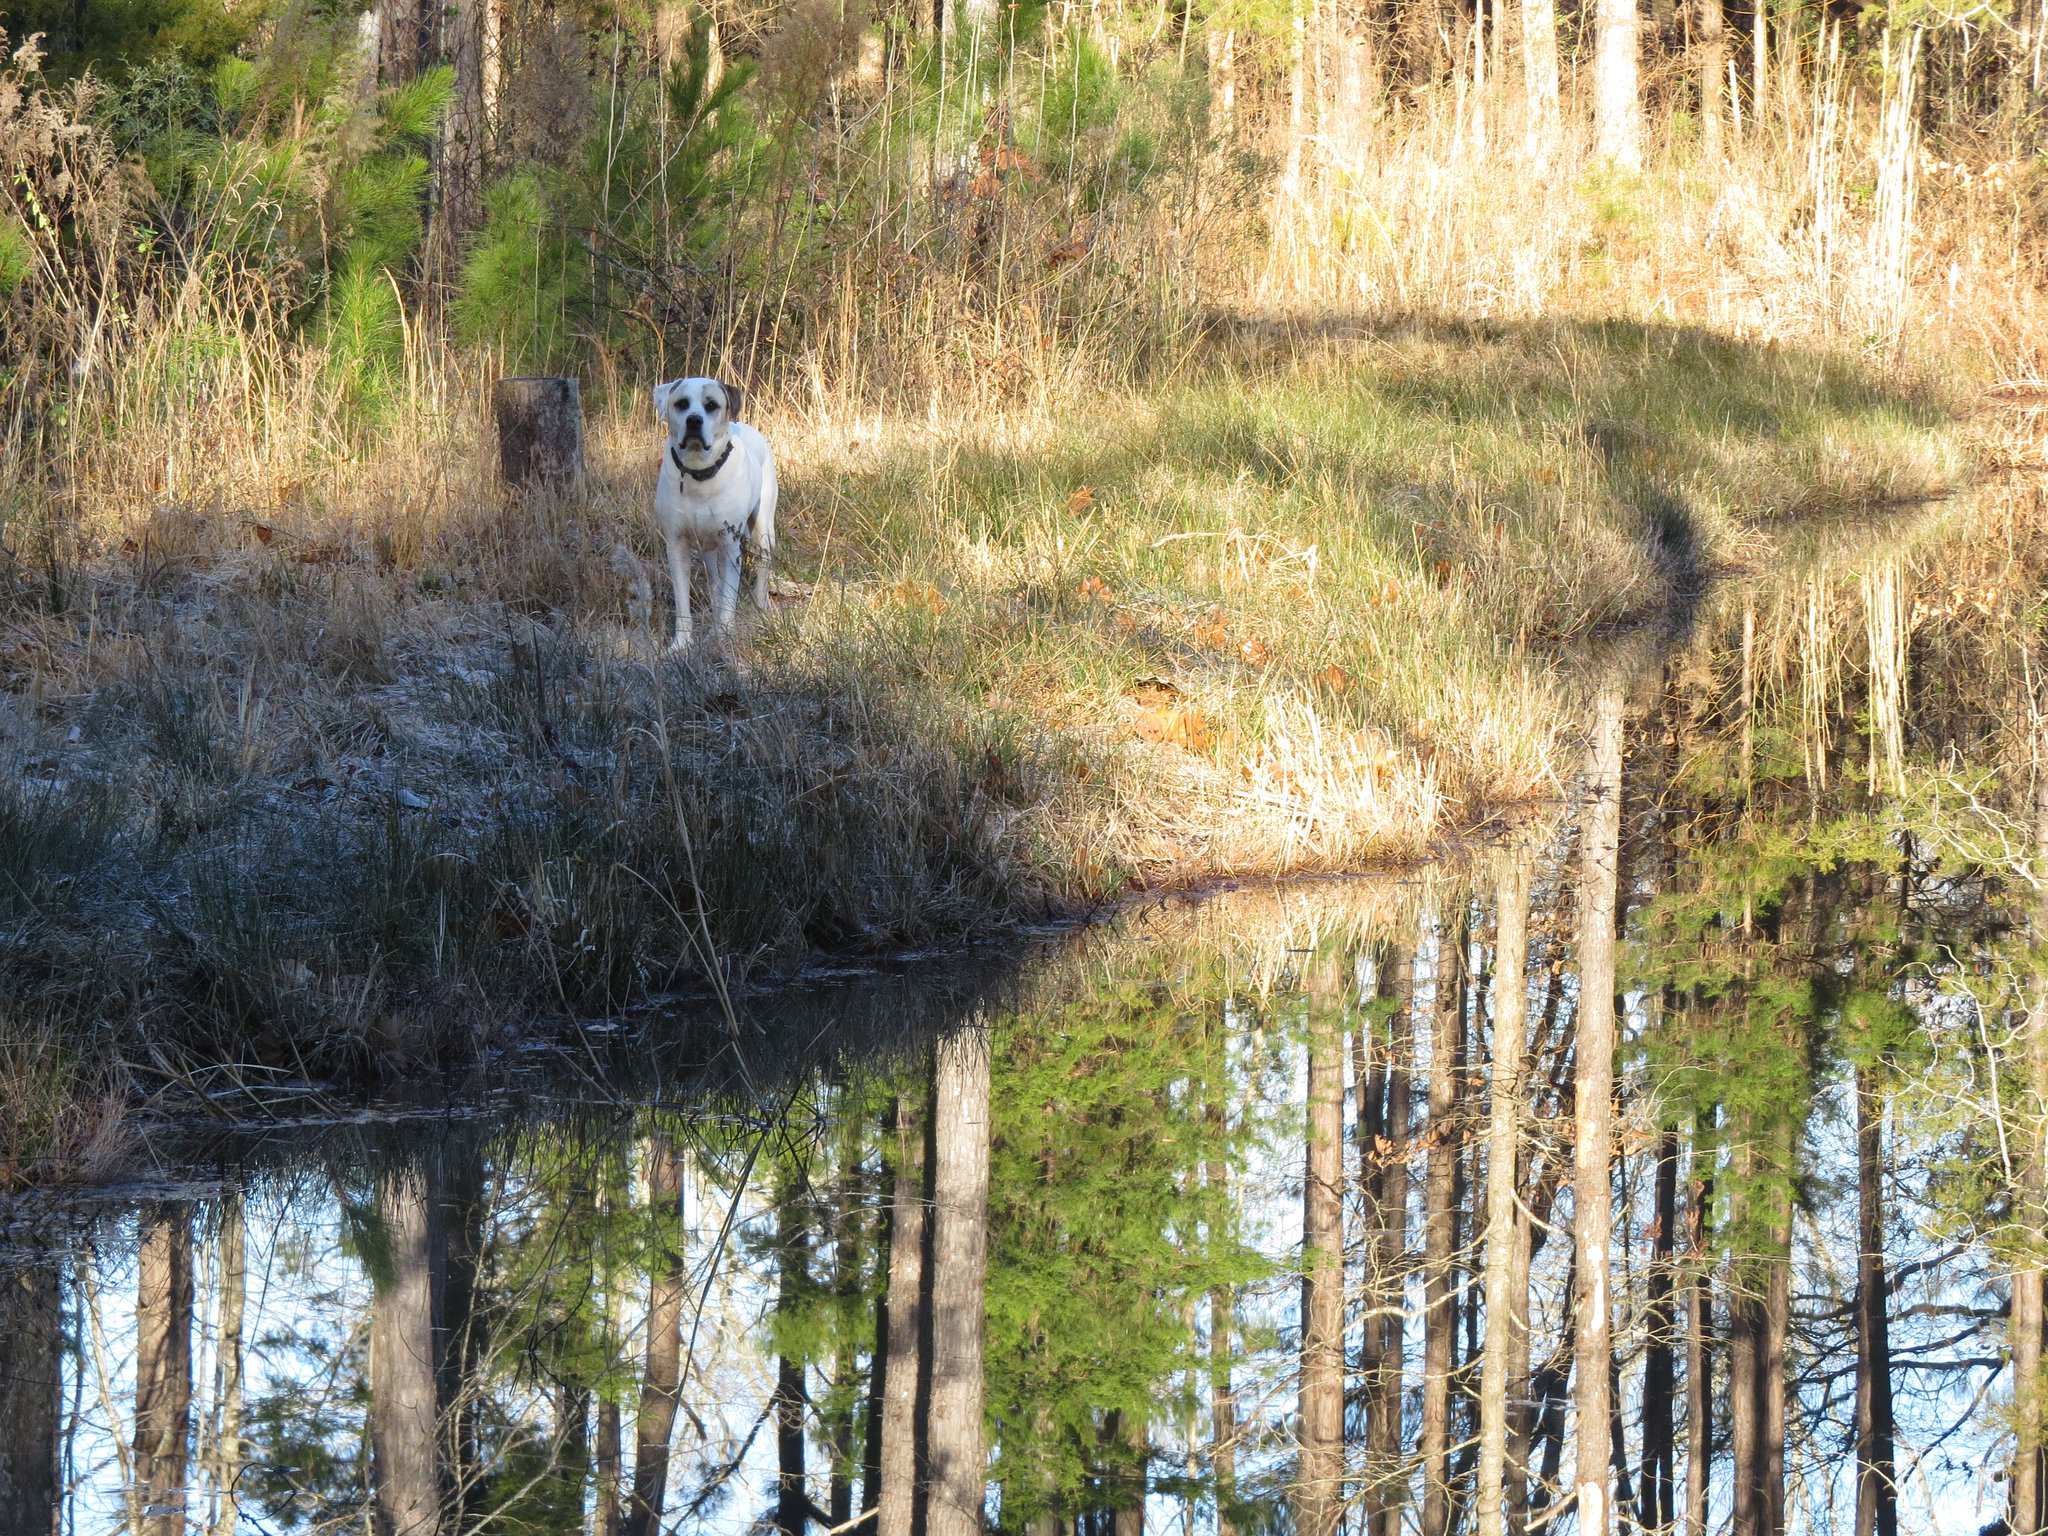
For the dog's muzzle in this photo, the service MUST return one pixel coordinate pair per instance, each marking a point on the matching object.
(694, 439)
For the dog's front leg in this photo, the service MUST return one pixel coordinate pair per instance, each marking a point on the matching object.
(679, 578)
(724, 566)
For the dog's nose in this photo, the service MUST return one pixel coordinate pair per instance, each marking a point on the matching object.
(693, 426)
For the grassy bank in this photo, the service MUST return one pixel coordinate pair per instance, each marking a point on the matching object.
(314, 773)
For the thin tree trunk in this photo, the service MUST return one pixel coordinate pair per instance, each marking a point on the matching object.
(163, 1366)
(405, 1400)
(1877, 1498)
(608, 1514)
(1540, 83)
(1439, 1216)
(457, 1234)
(1386, 1488)
(1132, 1438)
(1504, 1124)
(1222, 1314)
(1220, 44)
(2029, 1513)
(1759, 91)
(1521, 1403)
(1222, 1408)
(661, 1379)
(1699, 1349)
(606, 1520)
(1657, 1496)
(1320, 1494)
(791, 1399)
(846, 1286)
(878, 1397)
(31, 1396)
(1593, 1099)
(1745, 1397)
(1777, 1334)
(792, 1268)
(901, 1473)
(232, 1244)
(792, 1501)
(1297, 94)
(1713, 76)
(959, 1454)
(1617, 102)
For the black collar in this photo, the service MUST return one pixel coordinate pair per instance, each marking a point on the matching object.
(676, 453)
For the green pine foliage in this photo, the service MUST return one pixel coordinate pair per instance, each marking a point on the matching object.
(1104, 1231)
(625, 235)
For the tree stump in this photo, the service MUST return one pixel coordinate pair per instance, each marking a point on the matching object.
(540, 431)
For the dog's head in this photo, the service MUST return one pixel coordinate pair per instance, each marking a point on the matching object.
(698, 414)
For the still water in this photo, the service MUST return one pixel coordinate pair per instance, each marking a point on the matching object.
(1019, 1237)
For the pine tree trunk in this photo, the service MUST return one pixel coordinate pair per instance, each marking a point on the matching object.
(1540, 83)
(1521, 1394)
(1220, 44)
(1222, 1406)
(31, 1396)
(1439, 1218)
(878, 1398)
(1131, 1437)
(1320, 1494)
(1877, 1500)
(1351, 65)
(1386, 1489)
(405, 1400)
(1617, 104)
(792, 1501)
(232, 1244)
(607, 1518)
(1593, 1100)
(1222, 1312)
(1657, 1497)
(902, 1475)
(661, 1379)
(457, 1237)
(1713, 75)
(1699, 1350)
(2029, 1513)
(1504, 1123)
(472, 28)
(958, 1450)
(1745, 1401)
(1771, 1408)
(792, 1271)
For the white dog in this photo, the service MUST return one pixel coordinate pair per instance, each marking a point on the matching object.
(715, 494)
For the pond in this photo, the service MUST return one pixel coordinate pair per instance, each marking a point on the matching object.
(1188, 1218)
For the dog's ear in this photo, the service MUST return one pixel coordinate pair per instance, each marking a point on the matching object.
(735, 400)
(661, 394)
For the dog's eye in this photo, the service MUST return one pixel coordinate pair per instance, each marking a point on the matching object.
(710, 407)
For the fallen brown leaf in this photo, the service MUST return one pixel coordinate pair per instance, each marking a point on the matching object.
(1177, 727)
